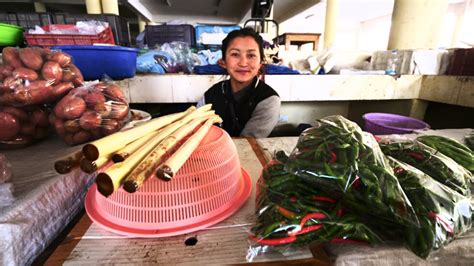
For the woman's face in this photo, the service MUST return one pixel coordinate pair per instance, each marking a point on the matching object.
(242, 60)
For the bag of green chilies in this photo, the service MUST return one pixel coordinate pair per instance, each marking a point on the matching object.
(440, 167)
(443, 213)
(342, 161)
(451, 148)
(291, 212)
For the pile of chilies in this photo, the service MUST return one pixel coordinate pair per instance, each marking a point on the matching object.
(338, 186)
(158, 147)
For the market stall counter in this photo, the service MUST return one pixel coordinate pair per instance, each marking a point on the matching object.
(44, 202)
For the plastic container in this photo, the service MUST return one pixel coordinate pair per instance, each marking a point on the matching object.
(384, 124)
(120, 26)
(94, 61)
(209, 187)
(159, 34)
(104, 37)
(212, 35)
(26, 20)
(10, 35)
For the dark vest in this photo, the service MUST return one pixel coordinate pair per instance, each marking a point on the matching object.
(235, 114)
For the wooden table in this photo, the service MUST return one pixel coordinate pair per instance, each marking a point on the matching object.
(224, 243)
(298, 39)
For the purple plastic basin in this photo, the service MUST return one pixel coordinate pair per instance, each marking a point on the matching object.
(384, 124)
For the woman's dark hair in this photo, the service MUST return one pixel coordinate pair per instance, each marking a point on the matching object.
(245, 32)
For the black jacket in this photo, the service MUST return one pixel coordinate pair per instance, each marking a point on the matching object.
(236, 113)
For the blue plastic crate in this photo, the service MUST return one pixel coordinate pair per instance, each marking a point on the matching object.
(212, 35)
(94, 61)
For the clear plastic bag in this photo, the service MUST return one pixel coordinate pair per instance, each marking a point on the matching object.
(442, 212)
(347, 163)
(433, 163)
(451, 148)
(35, 75)
(171, 57)
(90, 112)
(22, 126)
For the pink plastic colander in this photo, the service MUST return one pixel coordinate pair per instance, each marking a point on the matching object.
(210, 187)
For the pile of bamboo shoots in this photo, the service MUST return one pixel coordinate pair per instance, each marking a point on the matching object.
(138, 153)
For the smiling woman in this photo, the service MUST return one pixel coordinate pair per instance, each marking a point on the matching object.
(247, 105)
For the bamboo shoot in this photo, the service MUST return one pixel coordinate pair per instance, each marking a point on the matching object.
(146, 167)
(170, 167)
(109, 144)
(65, 165)
(110, 180)
(89, 167)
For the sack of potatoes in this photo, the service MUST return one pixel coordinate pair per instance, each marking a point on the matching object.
(36, 75)
(22, 126)
(90, 112)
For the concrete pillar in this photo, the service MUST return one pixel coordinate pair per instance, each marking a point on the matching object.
(93, 7)
(39, 7)
(416, 23)
(330, 24)
(110, 7)
(141, 24)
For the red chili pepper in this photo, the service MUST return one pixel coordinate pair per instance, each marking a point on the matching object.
(323, 198)
(307, 229)
(339, 212)
(339, 240)
(293, 199)
(287, 213)
(417, 155)
(357, 183)
(274, 241)
(333, 157)
(398, 170)
(312, 215)
(444, 223)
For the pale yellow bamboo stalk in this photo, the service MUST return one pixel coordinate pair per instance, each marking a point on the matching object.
(114, 142)
(111, 179)
(122, 154)
(65, 164)
(146, 167)
(89, 167)
(170, 167)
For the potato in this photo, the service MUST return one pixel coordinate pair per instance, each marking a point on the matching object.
(70, 107)
(68, 139)
(25, 74)
(81, 137)
(115, 92)
(36, 92)
(52, 71)
(61, 58)
(104, 109)
(90, 120)
(119, 111)
(17, 112)
(109, 126)
(6, 70)
(94, 98)
(27, 128)
(59, 127)
(10, 57)
(31, 58)
(9, 126)
(62, 88)
(7, 98)
(11, 83)
(39, 117)
(72, 126)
